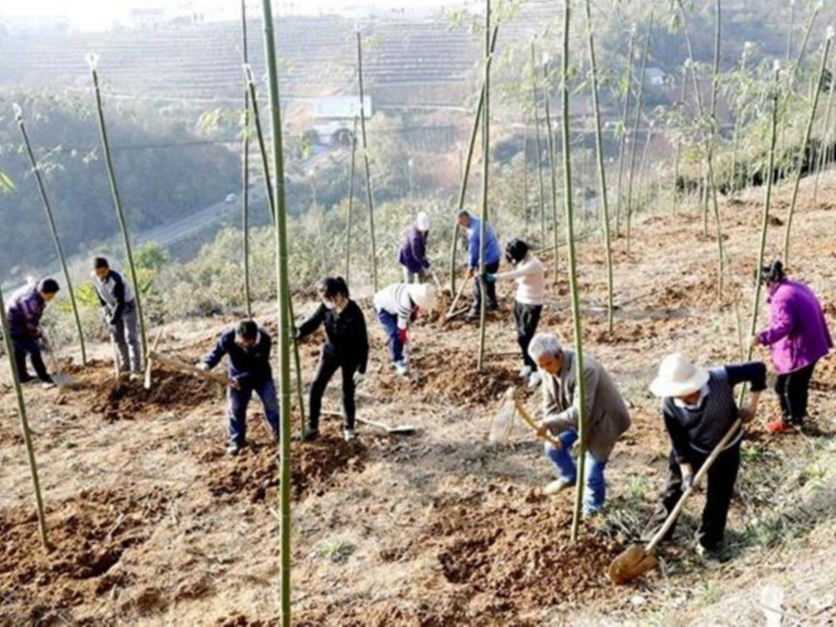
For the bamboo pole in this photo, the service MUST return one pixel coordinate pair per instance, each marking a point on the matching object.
(826, 136)
(635, 136)
(602, 176)
(369, 190)
(474, 132)
(767, 205)
(806, 143)
(542, 196)
(573, 279)
(93, 61)
(24, 424)
(245, 168)
(272, 207)
(52, 228)
(526, 215)
(486, 160)
(552, 169)
(625, 120)
(350, 218)
(285, 324)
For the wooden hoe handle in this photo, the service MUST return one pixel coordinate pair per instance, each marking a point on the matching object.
(176, 364)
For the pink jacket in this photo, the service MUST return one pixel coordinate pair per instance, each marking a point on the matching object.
(797, 334)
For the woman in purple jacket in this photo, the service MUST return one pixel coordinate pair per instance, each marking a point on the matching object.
(412, 254)
(797, 338)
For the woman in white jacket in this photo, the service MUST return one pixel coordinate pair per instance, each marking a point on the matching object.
(530, 276)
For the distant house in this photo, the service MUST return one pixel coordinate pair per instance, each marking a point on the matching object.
(334, 117)
(656, 77)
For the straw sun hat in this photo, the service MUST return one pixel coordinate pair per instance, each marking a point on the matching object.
(678, 377)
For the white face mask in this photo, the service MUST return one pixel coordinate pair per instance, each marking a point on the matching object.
(329, 304)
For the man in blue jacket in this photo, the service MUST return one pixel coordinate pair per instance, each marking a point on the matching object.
(493, 255)
(248, 347)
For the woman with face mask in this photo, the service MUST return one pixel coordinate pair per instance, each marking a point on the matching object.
(346, 348)
(530, 276)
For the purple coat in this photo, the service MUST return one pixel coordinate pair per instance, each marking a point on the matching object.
(413, 252)
(24, 311)
(797, 334)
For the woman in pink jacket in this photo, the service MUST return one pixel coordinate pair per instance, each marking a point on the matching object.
(797, 338)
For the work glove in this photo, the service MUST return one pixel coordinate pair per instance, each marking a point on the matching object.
(489, 278)
(470, 273)
(687, 481)
(403, 337)
(359, 377)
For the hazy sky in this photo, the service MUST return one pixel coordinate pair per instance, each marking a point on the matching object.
(97, 14)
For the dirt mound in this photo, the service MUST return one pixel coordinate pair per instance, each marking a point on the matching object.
(516, 550)
(172, 391)
(451, 374)
(89, 533)
(255, 472)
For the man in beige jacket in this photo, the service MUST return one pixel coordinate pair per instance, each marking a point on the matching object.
(606, 417)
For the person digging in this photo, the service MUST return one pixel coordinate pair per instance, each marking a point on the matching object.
(607, 417)
(530, 276)
(493, 255)
(118, 304)
(24, 312)
(346, 348)
(699, 408)
(412, 254)
(396, 307)
(798, 338)
(248, 348)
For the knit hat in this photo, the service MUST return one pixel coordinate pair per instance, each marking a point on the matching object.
(422, 295)
(423, 222)
(678, 377)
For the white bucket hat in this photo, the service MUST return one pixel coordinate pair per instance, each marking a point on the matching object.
(422, 295)
(423, 221)
(678, 377)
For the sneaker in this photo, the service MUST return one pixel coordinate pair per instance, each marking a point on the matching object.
(26, 378)
(234, 448)
(308, 435)
(557, 486)
(134, 376)
(590, 511)
(525, 372)
(779, 426)
(493, 306)
(349, 435)
(472, 315)
(535, 379)
(401, 368)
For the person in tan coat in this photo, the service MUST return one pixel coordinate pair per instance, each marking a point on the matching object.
(606, 413)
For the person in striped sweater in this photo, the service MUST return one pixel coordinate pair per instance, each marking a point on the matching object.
(530, 276)
(698, 407)
(396, 307)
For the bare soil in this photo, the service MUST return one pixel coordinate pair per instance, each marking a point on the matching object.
(152, 524)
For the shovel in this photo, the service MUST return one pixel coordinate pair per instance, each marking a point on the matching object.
(503, 424)
(638, 560)
(399, 430)
(61, 379)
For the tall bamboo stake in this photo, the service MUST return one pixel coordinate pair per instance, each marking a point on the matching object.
(245, 168)
(602, 176)
(52, 228)
(272, 207)
(711, 184)
(486, 160)
(767, 205)
(349, 219)
(526, 216)
(93, 61)
(625, 120)
(806, 143)
(474, 132)
(285, 324)
(573, 279)
(542, 195)
(369, 190)
(24, 424)
(635, 137)
(552, 171)
(826, 137)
